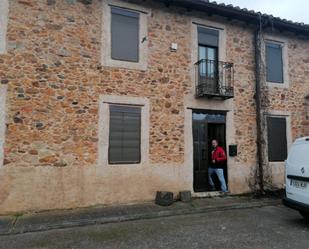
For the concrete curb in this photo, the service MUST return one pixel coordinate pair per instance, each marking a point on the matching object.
(15, 228)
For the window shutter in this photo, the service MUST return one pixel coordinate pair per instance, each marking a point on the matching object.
(124, 136)
(274, 63)
(208, 37)
(277, 139)
(124, 35)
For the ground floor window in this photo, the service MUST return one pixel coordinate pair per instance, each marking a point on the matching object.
(124, 134)
(123, 131)
(277, 138)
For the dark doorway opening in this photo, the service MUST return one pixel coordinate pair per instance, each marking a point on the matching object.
(207, 125)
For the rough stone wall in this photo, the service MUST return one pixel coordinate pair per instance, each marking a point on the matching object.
(240, 51)
(51, 67)
(54, 76)
(292, 99)
(56, 80)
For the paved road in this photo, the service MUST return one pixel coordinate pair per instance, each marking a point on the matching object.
(268, 227)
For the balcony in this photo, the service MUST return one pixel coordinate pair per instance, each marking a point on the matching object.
(214, 79)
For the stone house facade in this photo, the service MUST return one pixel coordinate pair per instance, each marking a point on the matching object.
(65, 86)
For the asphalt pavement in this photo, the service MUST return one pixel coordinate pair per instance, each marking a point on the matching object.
(258, 227)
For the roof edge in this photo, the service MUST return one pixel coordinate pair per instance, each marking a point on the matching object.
(237, 13)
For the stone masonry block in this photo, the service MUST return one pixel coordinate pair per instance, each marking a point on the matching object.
(185, 196)
(164, 198)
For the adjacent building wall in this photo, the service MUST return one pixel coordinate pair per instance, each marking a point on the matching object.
(288, 100)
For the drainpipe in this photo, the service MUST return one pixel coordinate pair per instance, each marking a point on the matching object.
(258, 101)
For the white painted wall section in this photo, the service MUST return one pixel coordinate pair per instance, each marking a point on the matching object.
(4, 12)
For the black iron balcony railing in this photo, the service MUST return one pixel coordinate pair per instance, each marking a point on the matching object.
(214, 79)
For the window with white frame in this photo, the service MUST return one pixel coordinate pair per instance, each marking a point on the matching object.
(274, 62)
(124, 35)
(4, 8)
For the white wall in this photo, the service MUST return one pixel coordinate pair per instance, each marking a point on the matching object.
(4, 9)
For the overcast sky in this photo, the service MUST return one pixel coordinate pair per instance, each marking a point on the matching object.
(295, 10)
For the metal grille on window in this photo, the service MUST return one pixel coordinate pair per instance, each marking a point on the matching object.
(277, 139)
(124, 35)
(124, 134)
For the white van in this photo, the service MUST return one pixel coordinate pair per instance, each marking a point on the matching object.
(297, 177)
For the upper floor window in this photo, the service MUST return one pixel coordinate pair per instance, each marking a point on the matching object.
(208, 41)
(124, 35)
(213, 76)
(274, 62)
(207, 36)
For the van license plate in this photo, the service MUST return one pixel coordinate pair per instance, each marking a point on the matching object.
(298, 184)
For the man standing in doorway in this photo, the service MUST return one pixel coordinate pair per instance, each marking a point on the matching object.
(218, 160)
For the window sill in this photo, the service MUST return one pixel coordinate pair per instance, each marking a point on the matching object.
(279, 85)
(277, 163)
(125, 64)
(120, 165)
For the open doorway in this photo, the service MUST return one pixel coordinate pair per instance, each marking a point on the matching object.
(207, 125)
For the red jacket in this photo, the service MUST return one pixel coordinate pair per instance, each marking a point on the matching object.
(219, 156)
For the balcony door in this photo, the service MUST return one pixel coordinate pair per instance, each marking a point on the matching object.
(208, 58)
(209, 61)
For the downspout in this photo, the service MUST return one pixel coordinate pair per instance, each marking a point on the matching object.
(258, 101)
